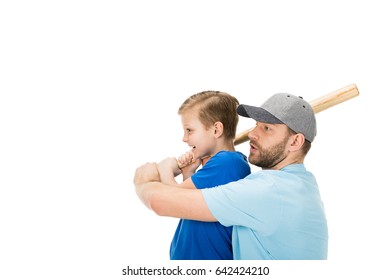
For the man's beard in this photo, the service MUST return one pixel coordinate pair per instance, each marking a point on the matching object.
(270, 157)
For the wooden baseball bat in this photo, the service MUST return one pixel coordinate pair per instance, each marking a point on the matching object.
(318, 105)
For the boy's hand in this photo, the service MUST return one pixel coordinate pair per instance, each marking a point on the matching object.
(185, 159)
(188, 164)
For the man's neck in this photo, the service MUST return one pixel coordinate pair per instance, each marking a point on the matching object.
(290, 159)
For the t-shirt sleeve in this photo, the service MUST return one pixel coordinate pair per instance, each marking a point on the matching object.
(207, 175)
(248, 202)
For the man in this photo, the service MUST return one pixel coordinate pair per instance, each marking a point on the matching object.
(277, 212)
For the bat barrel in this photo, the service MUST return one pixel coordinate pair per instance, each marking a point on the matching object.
(334, 98)
(320, 104)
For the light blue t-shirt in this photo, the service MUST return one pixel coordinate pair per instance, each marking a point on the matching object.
(275, 214)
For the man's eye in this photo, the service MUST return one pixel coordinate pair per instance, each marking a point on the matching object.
(267, 128)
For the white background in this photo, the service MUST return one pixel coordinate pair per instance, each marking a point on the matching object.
(89, 90)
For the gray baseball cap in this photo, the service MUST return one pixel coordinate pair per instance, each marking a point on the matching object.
(284, 108)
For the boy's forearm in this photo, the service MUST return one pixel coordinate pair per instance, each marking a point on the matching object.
(168, 170)
(167, 176)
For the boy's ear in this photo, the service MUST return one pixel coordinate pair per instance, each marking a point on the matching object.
(218, 129)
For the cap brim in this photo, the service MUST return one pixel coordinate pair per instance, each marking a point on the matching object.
(258, 114)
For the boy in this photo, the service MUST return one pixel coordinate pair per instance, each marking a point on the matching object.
(209, 120)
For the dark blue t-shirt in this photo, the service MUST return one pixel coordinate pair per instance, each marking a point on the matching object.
(194, 240)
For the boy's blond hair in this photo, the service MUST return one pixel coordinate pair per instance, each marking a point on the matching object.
(214, 106)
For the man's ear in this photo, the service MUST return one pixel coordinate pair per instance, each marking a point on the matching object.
(218, 129)
(297, 141)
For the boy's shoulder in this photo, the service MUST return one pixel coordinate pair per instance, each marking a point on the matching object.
(232, 154)
(226, 156)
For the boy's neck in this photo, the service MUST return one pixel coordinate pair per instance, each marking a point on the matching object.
(225, 147)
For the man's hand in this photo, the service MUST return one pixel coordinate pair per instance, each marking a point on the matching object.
(169, 167)
(147, 173)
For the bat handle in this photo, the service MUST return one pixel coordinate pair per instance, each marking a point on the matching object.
(242, 137)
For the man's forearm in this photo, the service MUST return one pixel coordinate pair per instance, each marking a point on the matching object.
(168, 201)
(144, 192)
